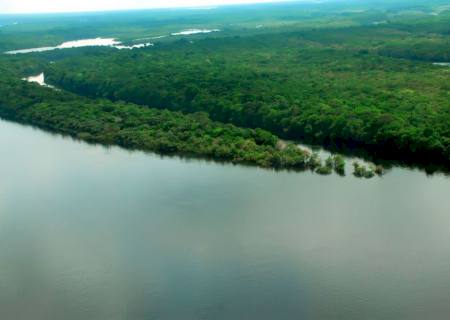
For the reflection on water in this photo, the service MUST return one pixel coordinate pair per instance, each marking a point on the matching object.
(194, 31)
(88, 232)
(97, 42)
(109, 42)
(39, 79)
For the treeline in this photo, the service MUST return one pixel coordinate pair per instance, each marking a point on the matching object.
(132, 126)
(343, 96)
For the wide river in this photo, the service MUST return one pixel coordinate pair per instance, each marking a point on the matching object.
(96, 233)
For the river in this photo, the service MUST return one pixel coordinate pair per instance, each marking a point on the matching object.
(97, 42)
(89, 232)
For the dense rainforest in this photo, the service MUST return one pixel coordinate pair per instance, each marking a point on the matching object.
(329, 92)
(162, 131)
(351, 79)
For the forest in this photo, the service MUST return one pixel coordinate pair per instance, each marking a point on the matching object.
(353, 81)
(137, 127)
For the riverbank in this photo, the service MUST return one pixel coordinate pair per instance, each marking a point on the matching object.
(161, 131)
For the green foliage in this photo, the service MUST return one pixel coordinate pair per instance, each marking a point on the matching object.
(431, 48)
(324, 170)
(362, 171)
(323, 73)
(339, 165)
(326, 86)
(137, 127)
(327, 168)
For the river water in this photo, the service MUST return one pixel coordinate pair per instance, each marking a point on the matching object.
(97, 42)
(89, 232)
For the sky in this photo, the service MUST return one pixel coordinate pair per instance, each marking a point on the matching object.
(40, 6)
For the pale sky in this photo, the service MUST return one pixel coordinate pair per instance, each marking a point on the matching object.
(39, 6)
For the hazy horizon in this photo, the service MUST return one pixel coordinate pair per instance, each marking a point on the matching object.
(66, 6)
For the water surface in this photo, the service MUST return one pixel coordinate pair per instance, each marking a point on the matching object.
(88, 232)
(109, 42)
(97, 42)
(39, 79)
(194, 31)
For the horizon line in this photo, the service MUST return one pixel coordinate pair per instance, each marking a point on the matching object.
(187, 7)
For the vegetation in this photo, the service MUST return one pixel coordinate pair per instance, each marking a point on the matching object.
(349, 76)
(362, 171)
(317, 92)
(367, 171)
(144, 128)
(327, 168)
(339, 165)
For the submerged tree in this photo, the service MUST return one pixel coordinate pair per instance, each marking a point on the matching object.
(339, 165)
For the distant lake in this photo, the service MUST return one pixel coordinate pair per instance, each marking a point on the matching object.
(97, 42)
(194, 31)
(89, 232)
(109, 42)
